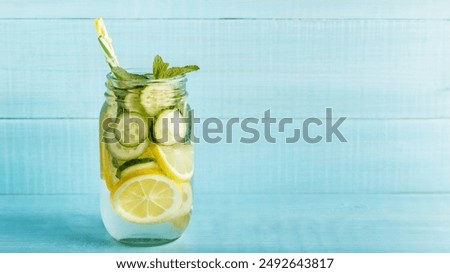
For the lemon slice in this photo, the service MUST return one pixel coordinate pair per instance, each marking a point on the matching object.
(103, 158)
(109, 177)
(147, 153)
(108, 171)
(146, 199)
(181, 219)
(177, 161)
(186, 197)
(181, 222)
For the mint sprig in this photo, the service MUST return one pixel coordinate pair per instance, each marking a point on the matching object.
(175, 71)
(161, 69)
(122, 74)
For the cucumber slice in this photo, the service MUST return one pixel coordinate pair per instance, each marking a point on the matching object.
(121, 152)
(168, 132)
(156, 97)
(109, 121)
(136, 165)
(117, 163)
(132, 129)
(110, 110)
(132, 103)
(185, 110)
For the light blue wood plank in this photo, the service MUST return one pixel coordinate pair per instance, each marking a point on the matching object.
(364, 69)
(241, 223)
(228, 9)
(48, 156)
(381, 156)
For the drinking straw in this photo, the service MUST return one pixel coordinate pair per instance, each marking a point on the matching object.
(106, 43)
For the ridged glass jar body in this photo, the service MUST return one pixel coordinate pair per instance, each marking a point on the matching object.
(144, 197)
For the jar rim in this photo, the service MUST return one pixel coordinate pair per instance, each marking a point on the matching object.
(110, 76)
(116, 86)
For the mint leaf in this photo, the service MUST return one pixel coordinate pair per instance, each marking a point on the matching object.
(175, 71)
(159, 66)
(122, 74)
(161, 70)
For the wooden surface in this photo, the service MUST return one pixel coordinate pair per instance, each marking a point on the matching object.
(204, 9)
(250, 223)
(363, 69)
(381, 156)
(383, 64)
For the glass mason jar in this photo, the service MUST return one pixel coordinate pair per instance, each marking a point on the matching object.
(146, 160)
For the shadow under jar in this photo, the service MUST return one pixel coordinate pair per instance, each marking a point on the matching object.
(146, 160)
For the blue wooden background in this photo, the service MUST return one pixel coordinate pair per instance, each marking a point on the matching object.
(383, 64)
